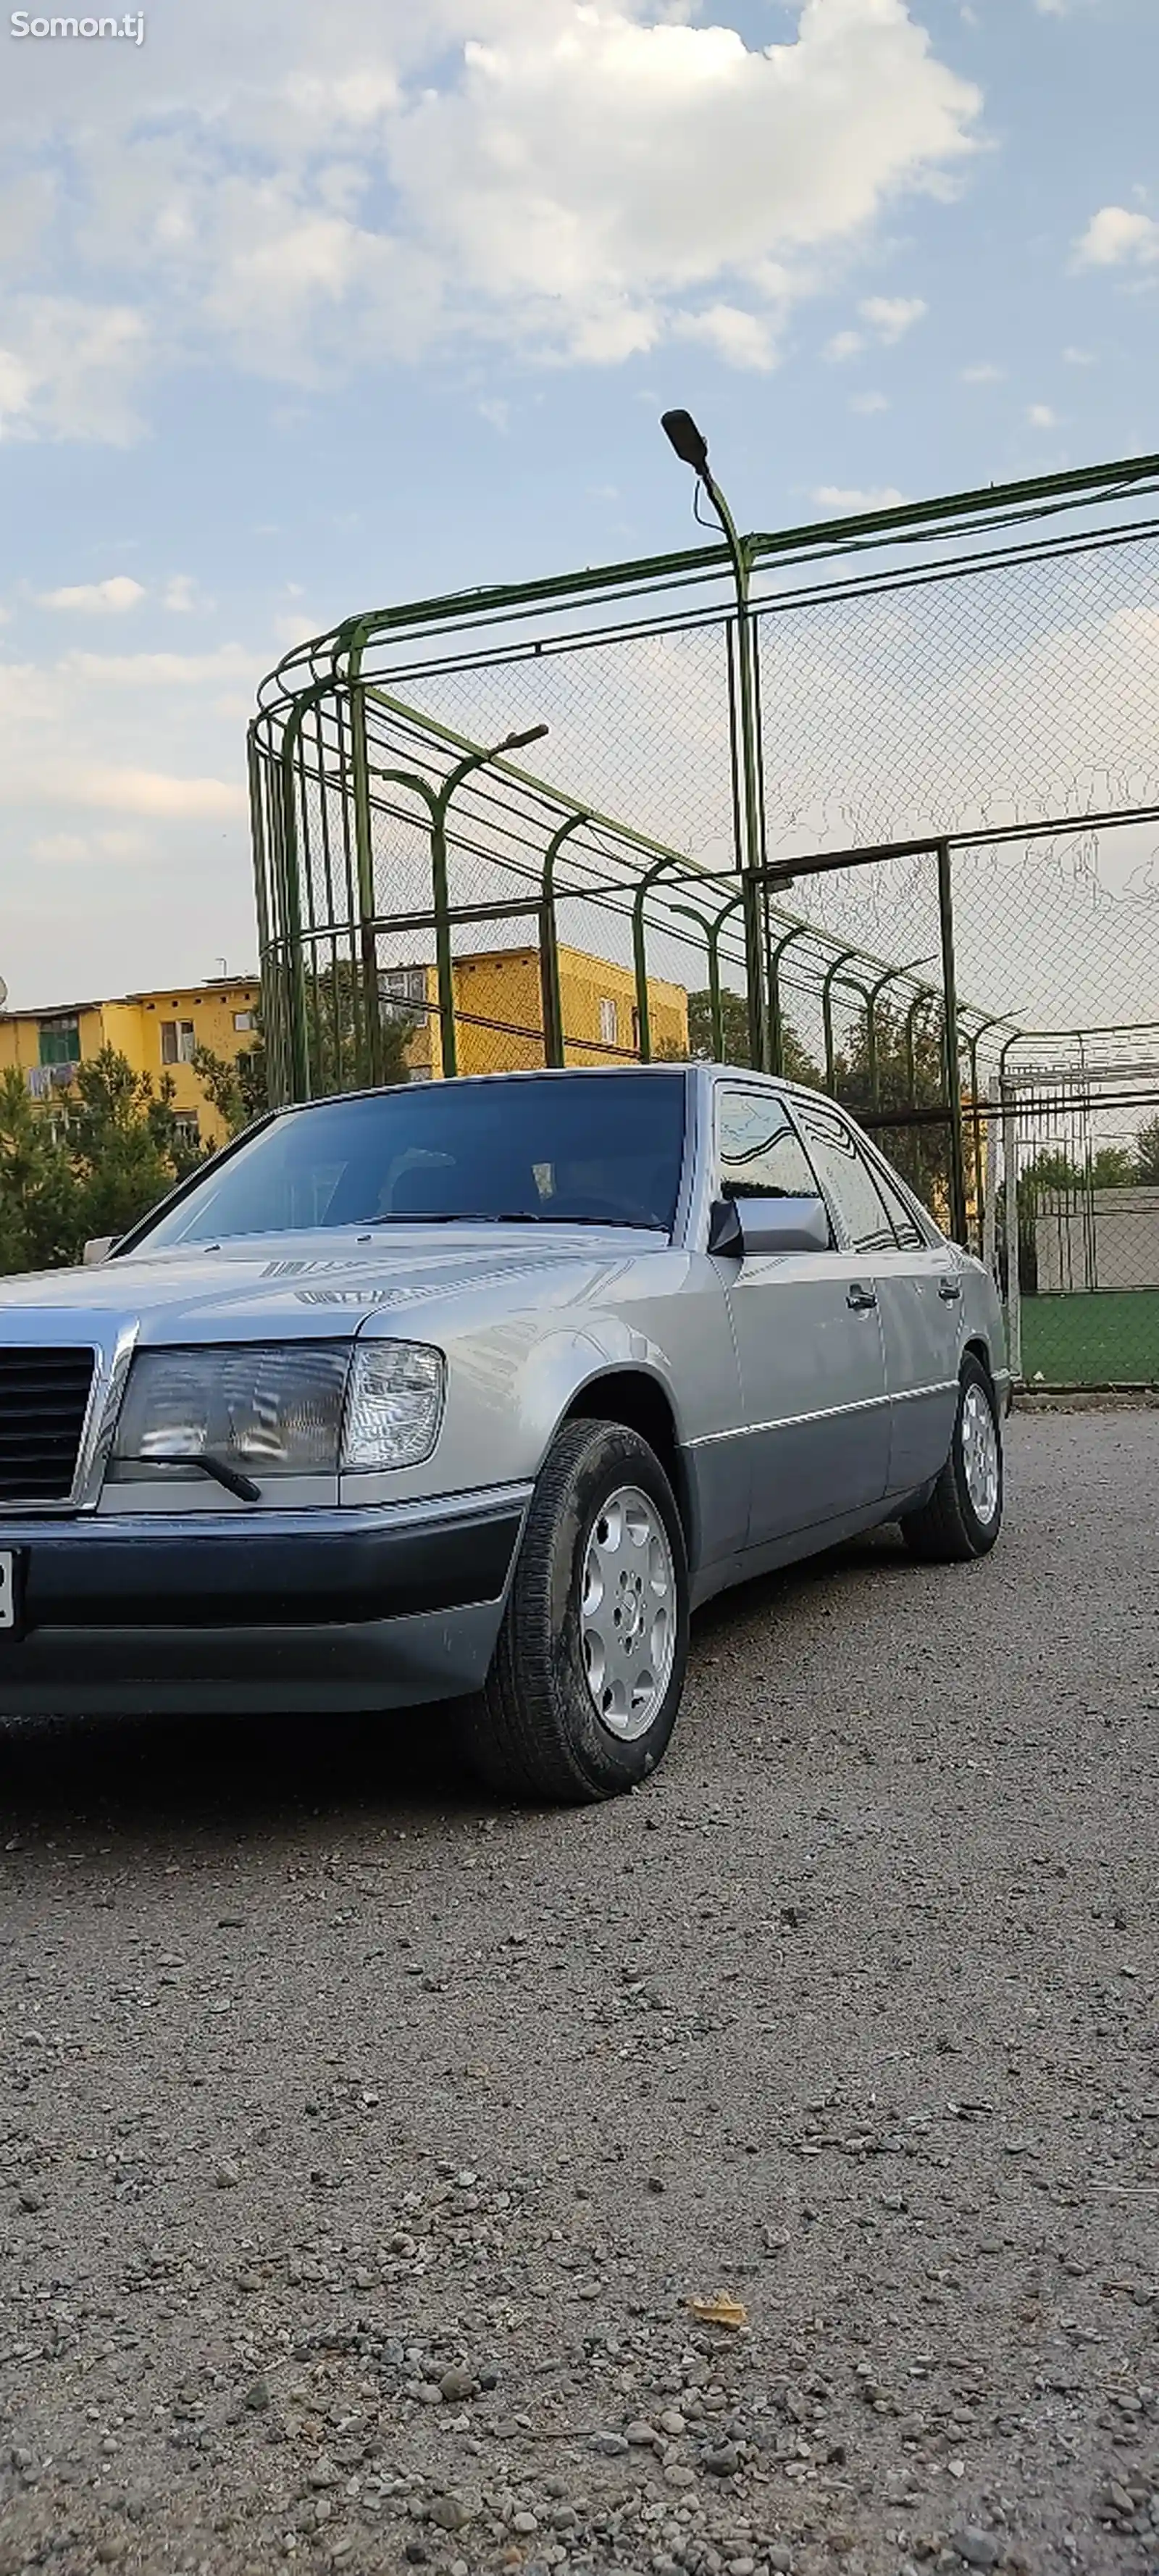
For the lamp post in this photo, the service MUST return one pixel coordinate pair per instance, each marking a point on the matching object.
(437, 801)
(691, 447)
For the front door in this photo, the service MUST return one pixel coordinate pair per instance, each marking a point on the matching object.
(808, 1340)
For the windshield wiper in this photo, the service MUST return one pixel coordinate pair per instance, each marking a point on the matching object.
(211, 1465)
(520, 1216)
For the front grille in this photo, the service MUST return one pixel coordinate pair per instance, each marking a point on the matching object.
(44, 1396)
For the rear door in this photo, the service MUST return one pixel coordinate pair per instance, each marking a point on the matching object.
(808, 1339)
(920, 1287)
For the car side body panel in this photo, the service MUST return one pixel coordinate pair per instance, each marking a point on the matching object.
(802, 1397)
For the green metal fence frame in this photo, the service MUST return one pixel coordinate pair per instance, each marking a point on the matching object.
(327, 683)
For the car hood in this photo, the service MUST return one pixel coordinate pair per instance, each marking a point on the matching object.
(299, 1285)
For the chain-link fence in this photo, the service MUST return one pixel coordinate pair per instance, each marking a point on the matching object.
(523, 827)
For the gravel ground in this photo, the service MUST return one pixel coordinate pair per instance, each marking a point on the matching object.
(362, 2150)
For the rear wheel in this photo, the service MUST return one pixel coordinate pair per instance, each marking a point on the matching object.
(589, 1669)
(964, 1513)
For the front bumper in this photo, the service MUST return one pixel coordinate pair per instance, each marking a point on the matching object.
(298, 1611)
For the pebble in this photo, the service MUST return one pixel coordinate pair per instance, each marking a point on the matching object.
(257, 2396)
(451, 2513)
(976, 2548)
(228, 2174)
(612, 2445)
(724, 2462)
(30, 2200)
(457, 2384)
(678, 2474)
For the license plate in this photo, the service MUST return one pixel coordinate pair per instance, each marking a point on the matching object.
(9, 1602)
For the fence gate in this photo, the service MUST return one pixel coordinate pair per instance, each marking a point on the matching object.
(1076, 1217)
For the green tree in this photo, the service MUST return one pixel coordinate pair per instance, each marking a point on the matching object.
(1147, 1155)
(906, 1072)
(120, 1140)
(796, 1062)
(236, 1086)
(40, 1216)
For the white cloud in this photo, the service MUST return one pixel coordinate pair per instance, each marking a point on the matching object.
(985, 373)
(80, 849)
(849, 502)
(741, 339)
(892, 315)
(1040, 416)
(110, 598)
(1117, 236)
(843, 345)
(152, 791)
(180, 595)
(1079, 357)
(70, 369)
(574, 179)
(869, 403)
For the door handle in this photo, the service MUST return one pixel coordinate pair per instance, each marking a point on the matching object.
(862, 1300)
(950, 1290)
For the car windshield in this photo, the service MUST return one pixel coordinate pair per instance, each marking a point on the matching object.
(586, 1149)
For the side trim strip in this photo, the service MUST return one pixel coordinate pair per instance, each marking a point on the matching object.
(791, 1421)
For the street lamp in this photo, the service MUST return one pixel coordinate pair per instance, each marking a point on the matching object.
(691, 446)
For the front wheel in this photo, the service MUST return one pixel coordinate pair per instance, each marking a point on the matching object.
(589, 1669)
(964, 1513)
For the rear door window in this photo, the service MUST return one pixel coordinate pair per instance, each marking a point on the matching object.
(847, 1177)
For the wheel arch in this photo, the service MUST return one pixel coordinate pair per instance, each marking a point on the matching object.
(978, 1348)
(639, 1400)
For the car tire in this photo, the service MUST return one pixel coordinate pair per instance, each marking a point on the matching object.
(964, 1513)
(588, 1672)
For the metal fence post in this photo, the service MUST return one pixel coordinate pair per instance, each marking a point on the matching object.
(549, 983)
(950, 1043)
(1009, 1099)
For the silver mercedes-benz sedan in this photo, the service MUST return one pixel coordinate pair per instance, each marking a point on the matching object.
(474, 1390)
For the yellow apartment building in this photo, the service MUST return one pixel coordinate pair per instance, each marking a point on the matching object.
(497, 1002)
(156, 1032)
(499, 1011)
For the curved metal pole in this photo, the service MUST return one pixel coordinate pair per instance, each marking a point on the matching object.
(924, 994)
(800, 930)
(437, 801)
(871, 1018)
(549, 984)
(827, 983)
(688, 912)
(640, 953)
(972, 1046)
(751, 852)
(735, 904)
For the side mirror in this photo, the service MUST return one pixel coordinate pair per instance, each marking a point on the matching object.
(748, 1227)
(98, 1248)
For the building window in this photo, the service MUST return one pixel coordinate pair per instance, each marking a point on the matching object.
(177, 1041)
(187, 1130)
(609, 1024)
(60, 1041)
(243, 1020)
(402, 989)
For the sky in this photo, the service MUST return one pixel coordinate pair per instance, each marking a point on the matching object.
(311, 309)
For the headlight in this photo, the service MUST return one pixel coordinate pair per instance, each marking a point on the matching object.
(283, 1409)
(274, 1410)
(394, 1404)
